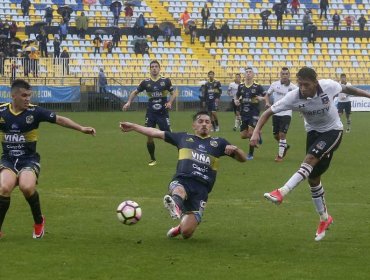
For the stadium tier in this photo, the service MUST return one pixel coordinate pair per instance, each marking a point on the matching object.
(189, 63)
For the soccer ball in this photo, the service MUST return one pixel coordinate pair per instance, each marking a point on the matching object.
(129, 212)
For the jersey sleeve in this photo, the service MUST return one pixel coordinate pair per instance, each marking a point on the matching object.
(141, 87)
(173, 138)
(286, 103)
(334, 87)
(219, 87)
(45, 115)
(270, 90)
(170, 86)
(261, 90)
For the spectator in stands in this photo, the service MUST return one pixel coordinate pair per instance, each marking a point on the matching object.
(141, 47)
(63, 30)
(116, 10)
(306, 20)
(34, 62)
(13, 28)
(48, 15)
(97, 44)
(279, 12)
(25, 6)
(265, 16)
(205, 13)
(102, 82)
(139, 26)
(193, 32)
(225, 32)
(312, 29)
(349, 21)
(56, 44)
(43, 41)
(26, 63)
(336, 20)
(184, 18)
(212, 30)
(362, 22)
(82, 23)
(128, 14)
(155, 32)
(168, 33)
(324, 5)
(66, 16)
(295, 4)
(109, 46)
(284, 4)
(65, 60)
(116, 38)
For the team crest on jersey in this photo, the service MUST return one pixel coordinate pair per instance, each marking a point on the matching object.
(325, 99)
(213, 143)
(189, 139)
(29, 119)
(253, 90)
(321, 145)
(162, 84)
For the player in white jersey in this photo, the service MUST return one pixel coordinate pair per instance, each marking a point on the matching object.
(344, 102)
(314, 99)
(281, 120)
(231, 91)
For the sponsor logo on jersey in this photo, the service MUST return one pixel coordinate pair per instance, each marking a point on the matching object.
(301, 106)
(201, 146)
(14, 138)
(201, 157)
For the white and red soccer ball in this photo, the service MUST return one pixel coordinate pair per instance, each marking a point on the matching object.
(129, 212)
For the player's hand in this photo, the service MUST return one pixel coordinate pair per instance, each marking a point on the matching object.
(168, 105)
(267, 105)
(89, 130)
(230, 149)
(253, 141)
(126, 126)
(237, 102)
(126, 106)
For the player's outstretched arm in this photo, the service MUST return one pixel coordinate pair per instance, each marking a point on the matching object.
(148, 131)
(355, 91)
(235, 152)
(66, 122)
(257, 130)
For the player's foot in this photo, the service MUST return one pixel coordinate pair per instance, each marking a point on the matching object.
(39, 229)
(234, 128)
(348, 130)
(172, 207)
(173, 232)
(274, 196)
(278, 159)
(249, 157)
(152, 163)
(323, 226)
(286, 149)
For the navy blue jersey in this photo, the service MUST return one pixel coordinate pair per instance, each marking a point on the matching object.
(198, 157)
(19, 131)
(157, 91)
(212, 90)
(247, 95)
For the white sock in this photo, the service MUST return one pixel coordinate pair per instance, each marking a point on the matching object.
(303, 172)
(236, 122)
(318, 199)
(282, 147)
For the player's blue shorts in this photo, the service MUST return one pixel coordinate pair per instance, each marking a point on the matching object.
(322, 145)
(162, 120)
(248, 121)
(19, 164)
(211, 106)
(196, 195)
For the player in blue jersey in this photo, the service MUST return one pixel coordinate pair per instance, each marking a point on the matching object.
(196, 171)
(157, 88)
(20, 163)
(248, 97)
(212, 94)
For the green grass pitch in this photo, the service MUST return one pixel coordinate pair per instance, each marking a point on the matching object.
(242, 236)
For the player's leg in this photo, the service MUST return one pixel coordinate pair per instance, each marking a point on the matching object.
(217, 127)
(27, 184)
(348, 116)
(150, 122)
(188, 225)
(8, 181)
(174, 201)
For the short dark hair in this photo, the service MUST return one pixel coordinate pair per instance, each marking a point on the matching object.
(197, 114)
(238, 74)
(343, 75)
(155, 62)
(248, 68)
(211, 72)
(19, 83)
(284, 68)
(307, 73)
